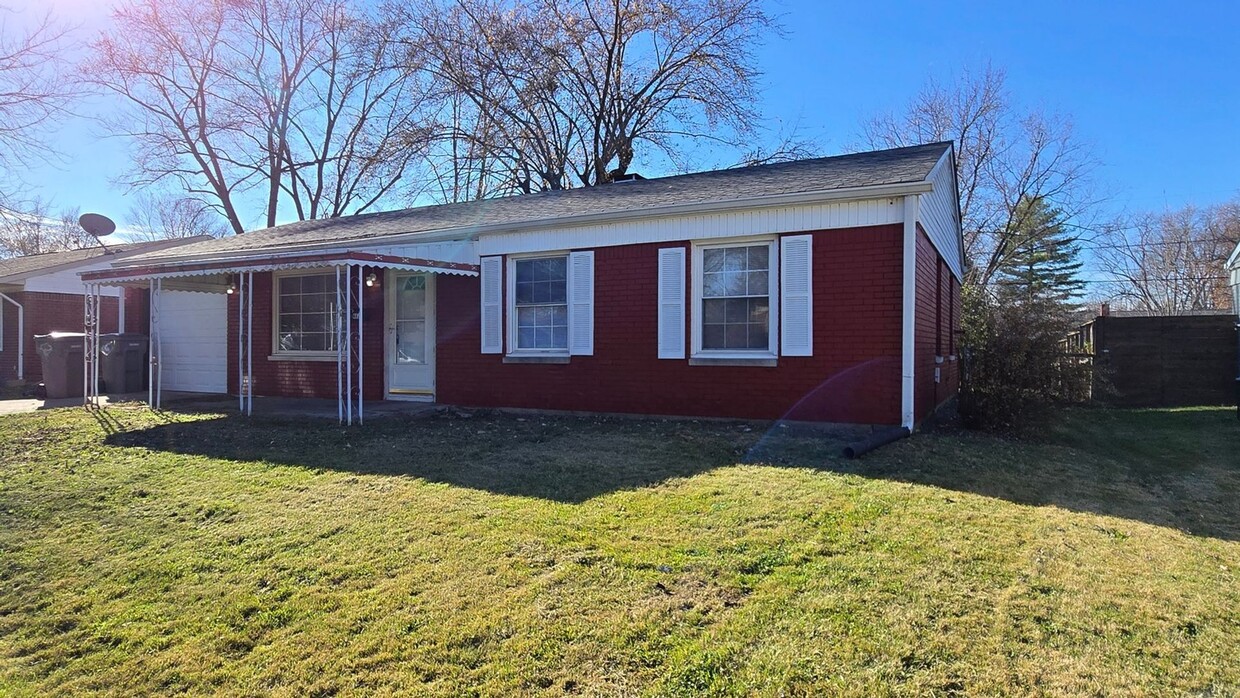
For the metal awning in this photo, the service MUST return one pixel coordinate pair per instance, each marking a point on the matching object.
(216, 273)
(236, 276)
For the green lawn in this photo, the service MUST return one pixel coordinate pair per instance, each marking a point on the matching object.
(162, 554)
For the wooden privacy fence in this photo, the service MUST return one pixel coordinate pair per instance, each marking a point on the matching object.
(1160, 361)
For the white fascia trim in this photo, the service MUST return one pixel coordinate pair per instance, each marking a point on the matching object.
(908, 416)
(949, 160)
(474, 232)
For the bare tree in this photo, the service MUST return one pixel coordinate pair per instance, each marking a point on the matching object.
(265, 102)
(36, 230)
(1172, 263)
(560, 93)
(163, 216)
(1003, 156)
(33, 94)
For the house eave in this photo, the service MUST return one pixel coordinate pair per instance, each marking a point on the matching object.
(118, 255)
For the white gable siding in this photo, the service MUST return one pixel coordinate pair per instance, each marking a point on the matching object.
(939, 215)
(758, 221)
(68, 281)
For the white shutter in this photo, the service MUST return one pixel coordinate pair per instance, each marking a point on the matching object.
(796, 288)
(581, 303)
(672, 303)
(492, 305)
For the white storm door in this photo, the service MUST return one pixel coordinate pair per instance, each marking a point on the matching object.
(411, 335)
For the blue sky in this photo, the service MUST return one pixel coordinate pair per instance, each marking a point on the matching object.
(1153, 88)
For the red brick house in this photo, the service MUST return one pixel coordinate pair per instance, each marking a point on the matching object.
(42, 293)
(825, 290)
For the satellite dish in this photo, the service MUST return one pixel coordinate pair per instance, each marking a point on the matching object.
(97, 224)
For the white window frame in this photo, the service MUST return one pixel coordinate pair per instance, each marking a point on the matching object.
(276, 351)
(510, 305)
(773, 264)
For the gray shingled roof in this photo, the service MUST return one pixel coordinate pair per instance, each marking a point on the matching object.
(876, 168)
(16, 269)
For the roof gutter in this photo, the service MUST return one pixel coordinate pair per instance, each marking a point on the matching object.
(474, 232)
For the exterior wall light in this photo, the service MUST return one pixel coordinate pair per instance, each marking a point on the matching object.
(232, 288)
(371, 280)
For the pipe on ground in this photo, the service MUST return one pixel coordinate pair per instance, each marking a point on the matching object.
(857, 449)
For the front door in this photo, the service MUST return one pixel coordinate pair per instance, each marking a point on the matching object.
(411, 336)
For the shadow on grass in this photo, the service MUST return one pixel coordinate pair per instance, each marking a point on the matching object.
(1178, 469)
(565, 459)
(1173, 468)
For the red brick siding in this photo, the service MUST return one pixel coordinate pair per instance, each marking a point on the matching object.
(304, 378)
(933, 330)
(854, 375)
(45, 313)
(137, 310)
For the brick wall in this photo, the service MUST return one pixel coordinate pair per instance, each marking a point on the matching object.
(938, 309)
(304, 378)
(46, 313)
(137, 310)
(854, 375)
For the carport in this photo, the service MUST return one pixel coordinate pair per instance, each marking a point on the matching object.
(188, 321)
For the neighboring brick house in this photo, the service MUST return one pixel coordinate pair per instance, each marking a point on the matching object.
(823, 290)
(42, 293)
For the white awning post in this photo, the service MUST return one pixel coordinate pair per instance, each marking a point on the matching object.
(21, 336)
(90, 346)
(96, 289)
(348, 339)
(150, 346)
(339, 353)
(361, 345)
(245, 342)
(159, 348)
(249, 343)
(240, 291)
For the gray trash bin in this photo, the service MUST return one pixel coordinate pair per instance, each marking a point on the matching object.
(122, 362)
(61, 354)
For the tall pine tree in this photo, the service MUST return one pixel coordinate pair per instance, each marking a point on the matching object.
(1043, 260)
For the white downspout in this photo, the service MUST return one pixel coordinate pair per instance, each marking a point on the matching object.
(908, 417)
(21, 336)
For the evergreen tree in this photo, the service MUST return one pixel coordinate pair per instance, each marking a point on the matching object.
(1043, 261)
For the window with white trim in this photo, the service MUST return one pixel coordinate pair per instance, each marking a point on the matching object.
(539, 304)
(305, 310)
(734, 299)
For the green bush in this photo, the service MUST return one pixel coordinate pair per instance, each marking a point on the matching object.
(1014, 370)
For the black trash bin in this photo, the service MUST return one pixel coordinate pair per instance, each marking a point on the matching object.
(62, 355)
(122, 362)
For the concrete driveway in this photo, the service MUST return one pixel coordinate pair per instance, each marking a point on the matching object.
(21, 405)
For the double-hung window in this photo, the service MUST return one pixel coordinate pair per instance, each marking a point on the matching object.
(540, 304)
(735, 298)
(305, 314)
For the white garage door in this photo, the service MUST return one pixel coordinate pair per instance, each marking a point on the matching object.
(193, 328)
